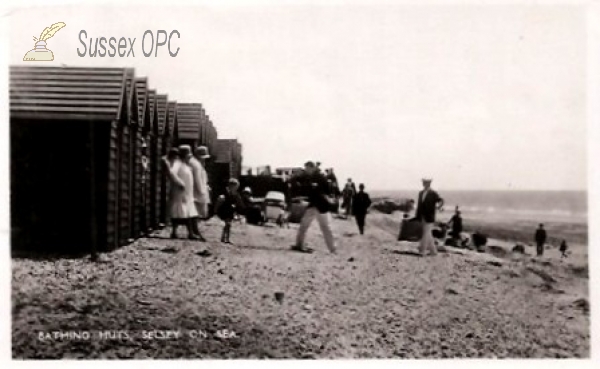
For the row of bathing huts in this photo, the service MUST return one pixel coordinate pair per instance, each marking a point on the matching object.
(77, 137)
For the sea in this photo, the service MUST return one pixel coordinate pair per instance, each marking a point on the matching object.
(563, 206)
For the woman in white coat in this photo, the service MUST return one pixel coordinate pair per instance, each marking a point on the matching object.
(181, 197)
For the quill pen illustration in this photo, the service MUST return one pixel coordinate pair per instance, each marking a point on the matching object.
(50, 31)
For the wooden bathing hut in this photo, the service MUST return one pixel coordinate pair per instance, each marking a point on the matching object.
(188, 124)
(140, 224)
(65, 157)
(150, 218)
(127, 145)
(170, 138)
(160, 196)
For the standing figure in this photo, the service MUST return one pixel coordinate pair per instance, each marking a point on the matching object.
(540, 239)
(181, 193)
(315, 186)
(429, 201)
(201, 193)
(228, 205)
(347, 196)
(457, 225)
(360, 205)
(563, 249)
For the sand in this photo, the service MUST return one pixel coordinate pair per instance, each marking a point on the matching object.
(374, 299)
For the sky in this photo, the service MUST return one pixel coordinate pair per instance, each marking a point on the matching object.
(477, 97)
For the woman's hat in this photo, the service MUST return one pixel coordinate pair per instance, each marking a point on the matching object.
(202, 152)
(247, 190)
(233, 181)
(185, 150)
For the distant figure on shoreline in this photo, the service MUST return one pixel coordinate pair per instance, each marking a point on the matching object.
(360, 206)
(429, 201)
(347, 196)
(457, 224)
(540, 239)
(314, 184)
(563, 249)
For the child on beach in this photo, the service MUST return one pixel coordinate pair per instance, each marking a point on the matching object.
(228, 205)
(563, 249)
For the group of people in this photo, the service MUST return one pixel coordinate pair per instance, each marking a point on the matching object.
(189, 201)
(189, 195)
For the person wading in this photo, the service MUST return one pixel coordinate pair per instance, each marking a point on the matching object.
(315, 185)
(429, 201)
(360, 206)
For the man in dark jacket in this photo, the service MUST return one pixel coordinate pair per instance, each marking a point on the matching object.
(315, 187)
(457, 225)
(540, 239)
(360, 205)
(429, 201)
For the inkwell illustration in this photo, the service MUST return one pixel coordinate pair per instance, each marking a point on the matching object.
(40, 52)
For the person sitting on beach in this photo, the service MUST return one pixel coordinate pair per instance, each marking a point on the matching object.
(540, 239)
(563, 249)
(457, 225)
(228, 205)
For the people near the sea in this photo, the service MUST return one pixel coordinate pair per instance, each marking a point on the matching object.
(228, 205)
(457, 224)
(428, 203)
(181, 197)
(347, 195)
(314, 186)
(563, 249)
(201, 195)
(360, 206)
(479, 240)
(540, 239)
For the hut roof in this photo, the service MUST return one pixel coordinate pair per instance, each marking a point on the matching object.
(141, 85)
(151, 109)
(171, 117)
(66, 93)
(189, 118)
(161, 109)
(131, 95)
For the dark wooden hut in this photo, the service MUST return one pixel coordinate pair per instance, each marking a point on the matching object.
(188, 123)
(65, 157)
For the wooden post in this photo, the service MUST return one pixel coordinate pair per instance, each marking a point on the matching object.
(92, 173)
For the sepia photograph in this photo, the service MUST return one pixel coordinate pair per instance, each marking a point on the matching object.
(299, 181)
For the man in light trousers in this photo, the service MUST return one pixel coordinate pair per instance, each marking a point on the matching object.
(429, 201)
(316, 187)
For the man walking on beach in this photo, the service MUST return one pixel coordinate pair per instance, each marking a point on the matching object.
(540, 239)
(314, 184)
(360, 205)
(429, 201)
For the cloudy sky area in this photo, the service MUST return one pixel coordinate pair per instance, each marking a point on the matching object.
(478, 97)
